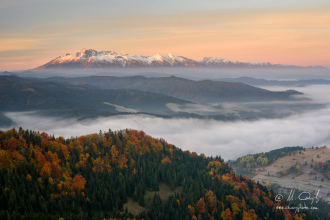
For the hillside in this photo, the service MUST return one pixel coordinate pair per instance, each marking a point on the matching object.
(4, 120)
(312, 171)
(285, 169)
(95, 176)
(28, 94)
(205, 91)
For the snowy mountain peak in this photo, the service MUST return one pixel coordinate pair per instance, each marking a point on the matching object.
(158, 57)
(90, 58)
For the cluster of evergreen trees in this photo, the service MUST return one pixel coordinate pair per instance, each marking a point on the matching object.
(92, 177)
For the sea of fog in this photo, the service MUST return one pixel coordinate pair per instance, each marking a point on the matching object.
(227, 139)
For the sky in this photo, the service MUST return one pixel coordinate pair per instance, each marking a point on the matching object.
(295, 32)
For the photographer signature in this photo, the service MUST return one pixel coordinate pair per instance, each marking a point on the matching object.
(304, 196)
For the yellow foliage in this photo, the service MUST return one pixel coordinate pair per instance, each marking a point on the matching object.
(191, 210)
(5, 160)
(156, 146)
(217, 164)
(51, 181)
(40, 182)
(235, 209)
(65, 152)
(166, 160)
(114, 153)
(132, 162)
(268, 183)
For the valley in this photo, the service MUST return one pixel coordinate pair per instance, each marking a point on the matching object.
(101, 96)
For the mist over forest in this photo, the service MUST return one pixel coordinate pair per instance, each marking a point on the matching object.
(230, 139)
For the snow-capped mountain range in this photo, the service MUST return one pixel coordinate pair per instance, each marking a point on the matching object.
(105, 59)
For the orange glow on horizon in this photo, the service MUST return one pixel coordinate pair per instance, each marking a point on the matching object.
(298, 37)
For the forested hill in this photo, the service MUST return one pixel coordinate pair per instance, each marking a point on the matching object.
(95, 176)
(30, 94)
(205, 91)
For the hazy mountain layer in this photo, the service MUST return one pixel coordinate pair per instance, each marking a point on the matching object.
(262, 82)
(22, 94)
(89, 97)
(205, 91)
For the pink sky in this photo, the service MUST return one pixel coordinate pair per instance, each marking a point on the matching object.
(296, 36)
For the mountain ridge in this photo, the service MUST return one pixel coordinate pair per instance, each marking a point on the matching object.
(263, 82)
(88, 59)
(23, 94)
(203, 91)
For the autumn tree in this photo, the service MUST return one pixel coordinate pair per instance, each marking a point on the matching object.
(114, 153)
(226, 215)
(200, 205)
(166, 160)
(210, 200)
(122, 161)
(78, 182)
(5, 160)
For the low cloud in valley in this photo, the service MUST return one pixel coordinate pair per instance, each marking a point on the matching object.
(212, 137)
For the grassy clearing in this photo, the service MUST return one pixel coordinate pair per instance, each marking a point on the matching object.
(164, 192)
(133, 207)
